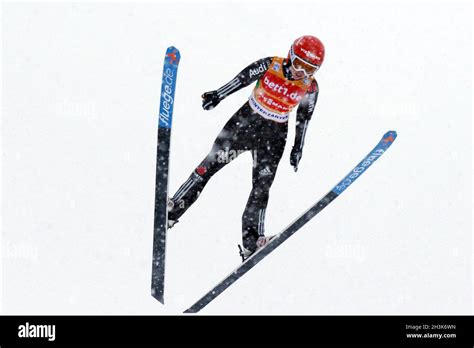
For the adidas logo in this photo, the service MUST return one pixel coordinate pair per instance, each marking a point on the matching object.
(265, 171)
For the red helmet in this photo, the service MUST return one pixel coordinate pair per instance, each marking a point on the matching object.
(309, 49)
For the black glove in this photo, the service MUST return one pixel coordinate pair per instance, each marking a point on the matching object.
(295, 156)
(210, 100)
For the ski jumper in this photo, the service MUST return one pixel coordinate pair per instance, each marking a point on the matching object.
(259, 126)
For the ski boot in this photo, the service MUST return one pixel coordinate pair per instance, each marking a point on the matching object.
(171, 221)
(260, 243)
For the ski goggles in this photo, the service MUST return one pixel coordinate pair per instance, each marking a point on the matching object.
(304, 67)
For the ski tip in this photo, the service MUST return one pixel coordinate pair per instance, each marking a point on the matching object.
(172, 48)
(172, 55)
(189, 310)
(389, 136)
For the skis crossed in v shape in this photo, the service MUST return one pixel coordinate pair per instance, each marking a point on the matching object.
(170, 69)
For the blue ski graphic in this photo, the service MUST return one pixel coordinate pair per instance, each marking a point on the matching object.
(337, 190)
(165, 118)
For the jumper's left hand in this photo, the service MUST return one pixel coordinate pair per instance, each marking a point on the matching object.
(295, 156)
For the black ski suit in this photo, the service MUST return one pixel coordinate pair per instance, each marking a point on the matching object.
(246, 130)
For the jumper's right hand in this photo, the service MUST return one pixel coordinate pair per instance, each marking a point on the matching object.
(210, 100)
